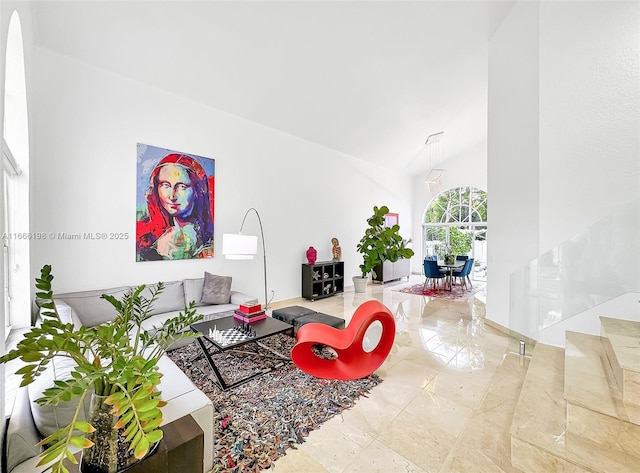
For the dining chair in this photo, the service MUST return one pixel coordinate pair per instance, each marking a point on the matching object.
(462, 258)
(463, 274)
(431, 273)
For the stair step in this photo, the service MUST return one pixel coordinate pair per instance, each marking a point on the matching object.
(539, 438)
(595, 409)
(588, 380)
(539, 418)
(622, 345)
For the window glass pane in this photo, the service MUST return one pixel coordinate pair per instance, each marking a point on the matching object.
(454, 221)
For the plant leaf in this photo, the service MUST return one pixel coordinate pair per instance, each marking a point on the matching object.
(142, 448)
(155, 436)
(83, 426)
(81, 442)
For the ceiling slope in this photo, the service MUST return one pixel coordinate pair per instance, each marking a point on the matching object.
(369, 79)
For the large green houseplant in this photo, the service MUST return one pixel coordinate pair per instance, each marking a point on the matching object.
(380, 243)
(116, 362)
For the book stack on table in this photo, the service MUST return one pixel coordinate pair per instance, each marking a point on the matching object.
(249, 312)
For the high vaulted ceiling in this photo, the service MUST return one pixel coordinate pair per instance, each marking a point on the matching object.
(369, 79)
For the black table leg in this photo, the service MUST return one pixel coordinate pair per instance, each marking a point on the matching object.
(220, 380)
(222, 384)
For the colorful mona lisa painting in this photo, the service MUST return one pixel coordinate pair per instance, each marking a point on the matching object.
(174, 211)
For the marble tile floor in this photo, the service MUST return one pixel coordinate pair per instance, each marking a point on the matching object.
(451, 384)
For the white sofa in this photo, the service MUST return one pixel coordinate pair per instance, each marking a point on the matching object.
(87, 308)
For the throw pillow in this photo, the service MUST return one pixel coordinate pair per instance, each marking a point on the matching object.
(170, 300)
(216, 289)
(193, 291)
(89, 306)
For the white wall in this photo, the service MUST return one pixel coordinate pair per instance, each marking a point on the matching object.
(564, 108)
(84, 168)
(513, 192)
(589, 113)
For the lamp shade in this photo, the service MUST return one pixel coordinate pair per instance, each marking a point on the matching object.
(238, 246)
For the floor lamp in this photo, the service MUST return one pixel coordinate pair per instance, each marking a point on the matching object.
(238, 246)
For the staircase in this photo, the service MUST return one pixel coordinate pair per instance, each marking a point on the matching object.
(579, 409)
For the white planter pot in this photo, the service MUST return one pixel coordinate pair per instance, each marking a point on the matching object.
(360, 283)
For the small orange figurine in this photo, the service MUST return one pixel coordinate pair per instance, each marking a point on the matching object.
(336, 251)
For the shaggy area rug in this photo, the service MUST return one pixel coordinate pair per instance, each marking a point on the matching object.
(256, 422)
(458, 293)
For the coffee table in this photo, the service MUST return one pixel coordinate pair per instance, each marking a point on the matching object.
(263, 329)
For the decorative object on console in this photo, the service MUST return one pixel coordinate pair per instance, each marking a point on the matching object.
(174, 205)
(242, 247)
(242, 318)
(336, 251)
(250, 307)
(126, 374)
(378, 244)
(312, 255)
(249, 313)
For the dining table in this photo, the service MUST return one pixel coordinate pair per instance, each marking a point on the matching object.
(449, 268)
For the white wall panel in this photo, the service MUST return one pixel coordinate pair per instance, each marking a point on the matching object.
(88, 124)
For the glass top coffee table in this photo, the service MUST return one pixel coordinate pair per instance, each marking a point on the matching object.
(222, 335)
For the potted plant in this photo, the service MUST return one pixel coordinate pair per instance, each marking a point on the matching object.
(116, 364)
(379, 243)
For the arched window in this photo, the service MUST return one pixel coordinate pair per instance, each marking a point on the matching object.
(455, 221)
(15, 184)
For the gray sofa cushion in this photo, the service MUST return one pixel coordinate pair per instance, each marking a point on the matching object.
(90, 308)
(169, 300)
(193, 291)
(49, 418)
(216, 289)
(67, 315)
(22, 435)
(241, 298)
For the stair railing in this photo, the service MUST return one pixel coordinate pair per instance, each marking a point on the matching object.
(594, 267)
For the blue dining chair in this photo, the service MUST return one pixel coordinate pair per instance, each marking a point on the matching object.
(462, 258)
(463, 274)
(431, 273)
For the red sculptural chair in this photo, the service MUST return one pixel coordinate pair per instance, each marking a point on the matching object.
(353, 362)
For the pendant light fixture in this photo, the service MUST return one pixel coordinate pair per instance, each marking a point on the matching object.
(434, 146)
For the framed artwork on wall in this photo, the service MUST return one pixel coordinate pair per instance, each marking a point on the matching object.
(391, 219)
(174, 205)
